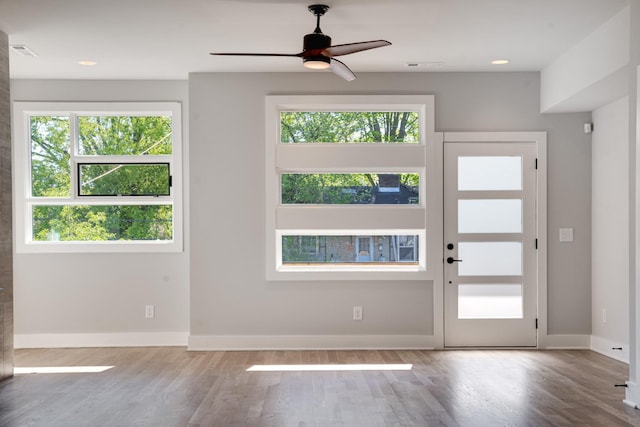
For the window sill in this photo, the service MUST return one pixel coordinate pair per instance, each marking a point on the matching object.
(99, 247)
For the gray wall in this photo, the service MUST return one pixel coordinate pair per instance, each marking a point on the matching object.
(103, 293)
(6, 242)
(229, 294)
(217, 286)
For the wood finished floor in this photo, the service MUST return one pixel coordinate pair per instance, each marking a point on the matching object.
(173, 387)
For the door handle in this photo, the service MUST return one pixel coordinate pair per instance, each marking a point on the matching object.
(450, 260)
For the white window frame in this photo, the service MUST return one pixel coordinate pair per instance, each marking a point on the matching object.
(24, 202)
(423, 219)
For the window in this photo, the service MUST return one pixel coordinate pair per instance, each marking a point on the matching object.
(317, 250)
(98, 177)
(348, 189)
(356, 176)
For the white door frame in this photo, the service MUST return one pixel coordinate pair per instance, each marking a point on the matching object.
(540, 140)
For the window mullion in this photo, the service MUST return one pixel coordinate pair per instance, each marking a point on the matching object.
(123, 159)
(73, 153)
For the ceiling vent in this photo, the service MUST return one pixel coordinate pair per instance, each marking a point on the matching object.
(428, 64)
(23, 50)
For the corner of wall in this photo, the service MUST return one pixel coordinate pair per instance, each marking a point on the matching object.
(592, 72)
(615, 350)
(564, 342)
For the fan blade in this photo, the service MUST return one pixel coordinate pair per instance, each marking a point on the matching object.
(297, 55)
(345, 49)
(339, 68)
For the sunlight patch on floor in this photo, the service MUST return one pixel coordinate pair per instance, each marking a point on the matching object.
(60, 369)
(331, 367)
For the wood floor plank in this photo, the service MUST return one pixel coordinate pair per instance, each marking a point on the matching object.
(172, 387)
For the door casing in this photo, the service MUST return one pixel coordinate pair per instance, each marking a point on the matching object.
(540, 140)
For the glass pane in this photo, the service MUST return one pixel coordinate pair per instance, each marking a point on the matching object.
(502, 301)
(489, 173)
(50, 148)
(355, 188)
(490, 258)
(349, 249)
(146, 179)
(407, 248)
(490, 216)
(350, 127)
(124, 135)
(96, 223)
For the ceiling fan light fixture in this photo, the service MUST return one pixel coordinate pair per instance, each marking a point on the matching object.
(317, 62)
(317, 51)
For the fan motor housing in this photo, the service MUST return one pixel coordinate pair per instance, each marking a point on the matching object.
(316, 41)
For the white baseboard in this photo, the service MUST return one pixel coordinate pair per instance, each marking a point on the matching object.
(632, 396)
(287, 342)
(605, 347)
(310, 342)
(132, 339)
(564, 342)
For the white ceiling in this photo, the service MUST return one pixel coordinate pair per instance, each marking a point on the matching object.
(167, 39)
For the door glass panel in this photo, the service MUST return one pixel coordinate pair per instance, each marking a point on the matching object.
(490, 259)
(490, 216)
(482, 301)
(479, 173)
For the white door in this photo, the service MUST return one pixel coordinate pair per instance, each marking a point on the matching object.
(490, 269)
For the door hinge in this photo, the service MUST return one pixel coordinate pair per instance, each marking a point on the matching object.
(536, 163)
(536, 323)
(536, 243)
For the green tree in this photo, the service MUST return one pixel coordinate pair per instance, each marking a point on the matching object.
(349, 127)
(341, 127)
(50, 148)
(100, 136)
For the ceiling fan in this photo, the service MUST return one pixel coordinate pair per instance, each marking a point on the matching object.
(317, 52)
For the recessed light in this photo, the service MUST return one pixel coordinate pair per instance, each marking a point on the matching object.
(87, 63)
(500, 62)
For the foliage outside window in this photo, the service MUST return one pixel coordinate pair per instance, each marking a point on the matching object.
(351, 173)
(350, 127)
(124, 179)
(356, 188)
(99, 174)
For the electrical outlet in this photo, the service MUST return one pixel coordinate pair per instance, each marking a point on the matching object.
(357, 312)
(149, 312)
